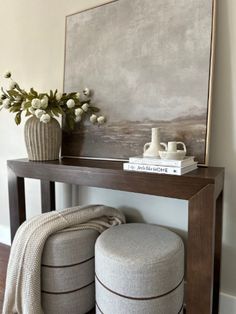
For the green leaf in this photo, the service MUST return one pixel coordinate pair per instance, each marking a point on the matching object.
(18, 118)
(13, 93)
(55, 111)
(30, 96)
(94, 109)
(51, 94)
(21, 91)
(14, 109)
(71, 95)
(70, 121)
(33, 92)
(88, 101)
(41, 95)
(59, 109)
(27, 113)
(4, 92)
(27, 105)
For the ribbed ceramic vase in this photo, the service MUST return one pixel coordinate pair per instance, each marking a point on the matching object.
(43, 140)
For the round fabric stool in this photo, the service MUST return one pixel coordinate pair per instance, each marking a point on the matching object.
(139, 269)
(67, 278)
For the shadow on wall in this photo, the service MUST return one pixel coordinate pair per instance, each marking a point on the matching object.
(132, 215)
(228, 252)
(223, 141)
(228, 268)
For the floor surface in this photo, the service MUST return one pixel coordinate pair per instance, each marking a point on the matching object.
(4, 254)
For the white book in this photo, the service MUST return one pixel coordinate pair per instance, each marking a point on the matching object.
(158, 169)
(187, 161)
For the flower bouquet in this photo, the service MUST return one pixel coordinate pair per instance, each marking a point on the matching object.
(42, 130)
(73, 106)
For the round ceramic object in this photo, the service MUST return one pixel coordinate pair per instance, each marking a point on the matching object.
(178, 155)
(68, 272)
(139, 269)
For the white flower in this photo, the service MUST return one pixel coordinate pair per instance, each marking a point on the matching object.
(93, 118)
(85, 107)
(7, 74)
(58, 96)
(70, 103)
(12, 85)
(32, 110)
(18, 99)
(39, 113)
(36, 103)
(78, 118)
(77, 95)
(86, 91)
(6, 103)
(44, 102)
(45, 118)
(101, 119)
(78, 111)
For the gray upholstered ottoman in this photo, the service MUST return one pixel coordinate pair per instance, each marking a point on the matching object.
(68, 272)
(139, 270)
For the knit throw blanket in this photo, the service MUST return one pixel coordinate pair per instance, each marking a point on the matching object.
(23, 284)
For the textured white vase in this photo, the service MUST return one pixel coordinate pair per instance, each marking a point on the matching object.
(43, 140)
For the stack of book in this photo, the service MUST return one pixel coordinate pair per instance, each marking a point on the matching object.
(158, 165)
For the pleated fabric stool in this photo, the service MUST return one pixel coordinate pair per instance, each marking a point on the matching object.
(67, 278)
(139, 270)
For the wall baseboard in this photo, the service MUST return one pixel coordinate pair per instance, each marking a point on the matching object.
(5, 236)
(227, 301)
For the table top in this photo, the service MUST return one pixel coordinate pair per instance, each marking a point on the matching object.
(110, 174)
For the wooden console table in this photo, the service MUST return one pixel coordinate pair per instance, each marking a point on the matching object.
(203, 188)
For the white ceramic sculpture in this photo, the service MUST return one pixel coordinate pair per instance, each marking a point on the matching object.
(152, 149)
(171, 151)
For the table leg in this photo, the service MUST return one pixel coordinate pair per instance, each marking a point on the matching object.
(218, 246)
(48, 202)
(200, 251)
(16, 189)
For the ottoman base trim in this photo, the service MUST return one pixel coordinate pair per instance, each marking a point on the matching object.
(99, 308)
(71, 265)
(139, 298)
(67, 292)
(79, 302)
(180, 311)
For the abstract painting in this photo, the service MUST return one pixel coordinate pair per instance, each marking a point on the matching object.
(149, 63)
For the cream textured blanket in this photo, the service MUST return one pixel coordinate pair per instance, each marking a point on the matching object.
(23, 287)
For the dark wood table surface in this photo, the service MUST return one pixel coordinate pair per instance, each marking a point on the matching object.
(203, 188)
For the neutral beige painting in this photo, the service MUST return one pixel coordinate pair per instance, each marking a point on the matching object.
(148, 63)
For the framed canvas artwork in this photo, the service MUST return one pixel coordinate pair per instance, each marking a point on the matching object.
(149, 64)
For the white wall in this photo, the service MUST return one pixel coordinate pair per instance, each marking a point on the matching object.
(223, 143)
(32, 47)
